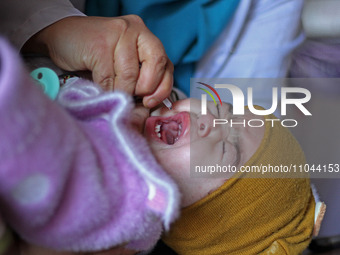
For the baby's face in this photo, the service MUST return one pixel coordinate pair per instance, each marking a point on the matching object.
(183, 136)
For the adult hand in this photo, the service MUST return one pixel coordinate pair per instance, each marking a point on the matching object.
(121, 52)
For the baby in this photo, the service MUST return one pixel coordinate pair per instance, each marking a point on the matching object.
(242, 213)
(84, 180)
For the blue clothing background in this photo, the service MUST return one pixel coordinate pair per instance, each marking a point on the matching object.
(186, 27)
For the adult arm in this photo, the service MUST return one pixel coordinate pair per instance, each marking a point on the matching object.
(20, 20)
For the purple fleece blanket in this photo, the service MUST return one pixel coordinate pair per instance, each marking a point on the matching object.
(73, 174)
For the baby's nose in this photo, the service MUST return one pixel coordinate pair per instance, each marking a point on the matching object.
(205, 124)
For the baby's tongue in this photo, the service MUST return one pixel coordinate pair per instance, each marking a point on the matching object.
(169, 132)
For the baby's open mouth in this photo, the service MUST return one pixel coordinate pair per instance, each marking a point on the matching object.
(168, 130)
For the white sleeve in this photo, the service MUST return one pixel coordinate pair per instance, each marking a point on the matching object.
(19, 20)
(257, 43)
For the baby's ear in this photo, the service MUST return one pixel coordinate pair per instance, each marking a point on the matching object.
(320, 209)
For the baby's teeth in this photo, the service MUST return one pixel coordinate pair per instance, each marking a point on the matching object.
(159, 135)
(157, 128)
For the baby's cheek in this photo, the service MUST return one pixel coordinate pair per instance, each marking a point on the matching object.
(175, 162)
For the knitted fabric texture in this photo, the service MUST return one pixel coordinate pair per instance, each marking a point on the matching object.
(74, 174)
(249, 214)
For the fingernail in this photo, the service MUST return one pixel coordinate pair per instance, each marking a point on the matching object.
(152, 103)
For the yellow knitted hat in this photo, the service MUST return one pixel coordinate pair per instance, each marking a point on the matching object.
(271, 215)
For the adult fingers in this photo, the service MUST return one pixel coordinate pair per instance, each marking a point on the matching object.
(97, 50)
(103, 71)
(154, 63)
(163, 90)
(126, 59)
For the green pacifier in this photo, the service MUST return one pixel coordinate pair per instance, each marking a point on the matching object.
(48, 81)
